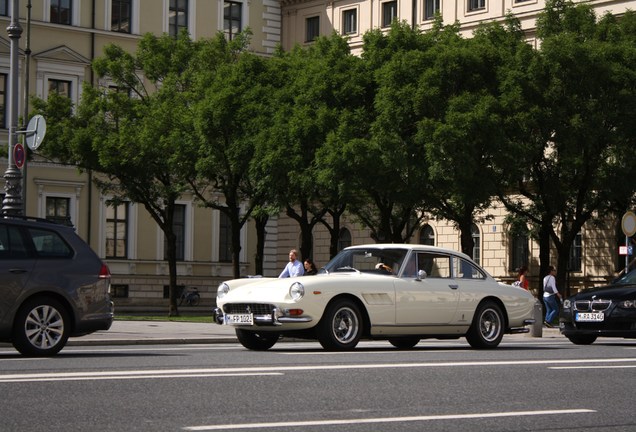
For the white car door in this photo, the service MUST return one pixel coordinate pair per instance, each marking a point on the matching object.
(431, 299)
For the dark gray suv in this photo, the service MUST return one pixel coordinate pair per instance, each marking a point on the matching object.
(52, 286)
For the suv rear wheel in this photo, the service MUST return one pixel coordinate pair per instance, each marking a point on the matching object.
(41, 328)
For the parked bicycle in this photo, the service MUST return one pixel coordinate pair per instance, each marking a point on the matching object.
(190, 296)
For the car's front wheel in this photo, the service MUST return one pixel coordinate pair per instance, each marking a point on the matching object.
(341, 326)
(41, 327)
(582, 339)
(487, 328)
(256, 341)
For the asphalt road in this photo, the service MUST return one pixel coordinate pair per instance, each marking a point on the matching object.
(527, 384)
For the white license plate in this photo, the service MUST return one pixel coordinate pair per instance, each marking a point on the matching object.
(589, 316)
(239, 319)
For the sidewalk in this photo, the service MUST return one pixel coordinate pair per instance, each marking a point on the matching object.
(172, 332)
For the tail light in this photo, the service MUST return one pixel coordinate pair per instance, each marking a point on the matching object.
(104, 272)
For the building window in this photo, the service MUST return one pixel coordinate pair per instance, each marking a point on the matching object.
(58, 209)
(344, 239)
(312, 30)
(119, 291)
(232, 18)
(61, 11)
(474, 5)
(178, 227)
(117, 230)
(576, 254)
(121, 11)
(177, 16)
(225, 238)
(474, 231)
(61, 87)
(389, 13)
(350, 21)
(3, 101)
(4, 7)
(431, 7)
(519, 251)
(427, 235)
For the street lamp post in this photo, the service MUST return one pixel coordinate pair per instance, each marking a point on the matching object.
(12, 203)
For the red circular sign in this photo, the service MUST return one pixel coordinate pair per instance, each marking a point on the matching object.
(19, 156)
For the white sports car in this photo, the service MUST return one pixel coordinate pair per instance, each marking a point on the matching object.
(398, 292)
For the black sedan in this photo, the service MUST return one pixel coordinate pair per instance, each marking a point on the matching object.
(608, 311)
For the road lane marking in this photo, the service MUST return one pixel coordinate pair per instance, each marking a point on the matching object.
(385, 420)
(140, 376)
(594, 367)
(283, 369)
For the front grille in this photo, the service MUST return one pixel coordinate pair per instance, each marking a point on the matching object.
(594, 305)
(254, 308)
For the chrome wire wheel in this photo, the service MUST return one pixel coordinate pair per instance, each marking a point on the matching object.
(44, 327)
(341, 326)
(487, 328)
(490, 325)
(345, 325)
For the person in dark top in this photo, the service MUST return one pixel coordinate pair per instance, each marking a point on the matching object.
(310, 268)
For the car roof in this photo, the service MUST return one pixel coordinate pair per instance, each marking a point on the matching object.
(408, 246)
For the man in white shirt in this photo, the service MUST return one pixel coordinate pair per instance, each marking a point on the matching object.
(294, 267)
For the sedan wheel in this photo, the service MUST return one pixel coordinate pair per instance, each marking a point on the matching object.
(404, 343)
(41, 328)
(341, 326)
(582, 339)
(487, 328)
(256, 341)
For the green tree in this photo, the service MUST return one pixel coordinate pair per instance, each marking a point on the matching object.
(134, 134)
(228, 120)
(320, 84)
(579, 127)
(387, 166)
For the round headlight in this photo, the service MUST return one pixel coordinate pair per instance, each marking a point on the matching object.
(566, 304)
(222, 290)
(296, 291)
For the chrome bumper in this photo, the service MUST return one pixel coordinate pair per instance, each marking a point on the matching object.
(276, 318)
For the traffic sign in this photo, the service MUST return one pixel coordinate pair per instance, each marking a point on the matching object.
(19, 155)
(628, 223)
(36, 129)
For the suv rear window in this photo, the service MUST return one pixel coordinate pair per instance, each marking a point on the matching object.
(48, 244)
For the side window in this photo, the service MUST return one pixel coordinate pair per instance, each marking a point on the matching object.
(466, 270)
(12, 244)
(435, 265)
(49, 244)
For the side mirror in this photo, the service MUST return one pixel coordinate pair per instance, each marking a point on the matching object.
(421, 274)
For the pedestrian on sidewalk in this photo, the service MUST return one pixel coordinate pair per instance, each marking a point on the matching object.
(550, 294)
(294, 267)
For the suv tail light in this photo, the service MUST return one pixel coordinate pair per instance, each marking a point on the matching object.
(104, 272)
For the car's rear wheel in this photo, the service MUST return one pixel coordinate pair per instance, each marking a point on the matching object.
(487, 328)
(582, 339)
(41, 327)
(257, 341)
(341, 326)
(404, 343)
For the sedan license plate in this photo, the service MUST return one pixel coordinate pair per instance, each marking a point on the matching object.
(239, 319)
(589, 317)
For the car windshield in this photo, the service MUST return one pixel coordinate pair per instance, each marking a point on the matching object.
(384, 261)
(629, 278)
